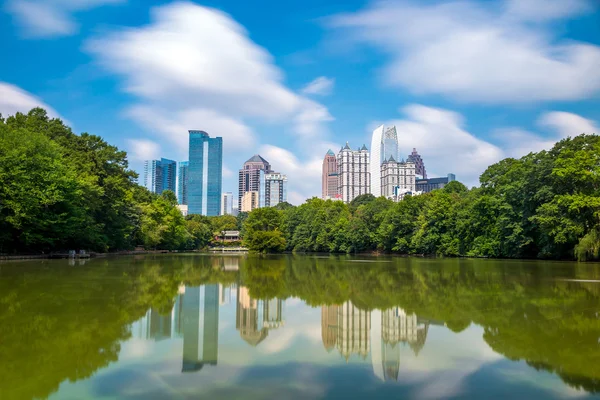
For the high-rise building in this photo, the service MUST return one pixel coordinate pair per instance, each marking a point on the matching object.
(390, 144)
(249, 201)
(205, 174)
(160, 175)
(182, 183)
(250, 176)
(329, 178)
(397, 178)
(430, 184)
(273, 189)
(384, 144)
(419, 164)
(200, 348)
(354, 177)
(227, 204)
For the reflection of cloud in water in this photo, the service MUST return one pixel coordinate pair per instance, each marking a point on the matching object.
(135, 348)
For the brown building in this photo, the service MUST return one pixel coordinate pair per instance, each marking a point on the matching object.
(330, 176)
(249, 176)
(419, 164)
(249, 201)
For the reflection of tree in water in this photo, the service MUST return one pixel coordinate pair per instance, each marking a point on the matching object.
(66, 323)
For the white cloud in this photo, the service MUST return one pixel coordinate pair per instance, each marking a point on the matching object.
(14, 99)
(194, 67)
(142, 149)
(50, 18)
(479, 52)
(304, 177)
(321, 86)
(444, 144)
(518, 142)
(567, 124)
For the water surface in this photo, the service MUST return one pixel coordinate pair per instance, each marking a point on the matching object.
(298, 327)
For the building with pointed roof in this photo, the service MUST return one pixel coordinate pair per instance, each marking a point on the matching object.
(397, 178)
(250, 176)
(354, 177)
(419, 164)
(329, 178)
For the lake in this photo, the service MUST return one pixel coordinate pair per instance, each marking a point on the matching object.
(298, 327)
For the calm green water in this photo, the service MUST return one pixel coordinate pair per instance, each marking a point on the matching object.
(298, 327)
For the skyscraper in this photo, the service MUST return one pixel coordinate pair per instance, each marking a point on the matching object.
(274, 189)
(390, 144)
(419, 164)
(384, 144)
(397, 178)
(227, 204)
(160, 175)
(377, 154)
(249, 201)
(353, 173)
(250, 176)
(182, 183)
(205, 173)
(329, 178)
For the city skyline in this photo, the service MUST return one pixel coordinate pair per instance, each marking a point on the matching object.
(289, 92)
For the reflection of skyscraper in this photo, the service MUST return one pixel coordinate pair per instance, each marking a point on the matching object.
(159, 325)
(354, 328)
(329, 326)
(391, 328)
(224, 295)
(254, 318)
(197, 300)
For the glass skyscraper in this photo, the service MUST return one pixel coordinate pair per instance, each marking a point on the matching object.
(205, 173)
(182, 183)
(160, 175)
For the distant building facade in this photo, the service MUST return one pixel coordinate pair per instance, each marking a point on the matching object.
(419, 164)
(430, 184)
(182, 182)
(354, 177)
(354, 330)
(160, 175)
(250, 176)
(329, 178)
(273, 189)
(397, 178)
(227, 204)
(384, 145)
(205, 174)
(250, 201)
(329, 326)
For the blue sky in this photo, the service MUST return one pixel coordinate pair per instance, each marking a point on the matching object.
(466, 82)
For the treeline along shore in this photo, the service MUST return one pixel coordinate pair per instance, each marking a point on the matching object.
(60, 190)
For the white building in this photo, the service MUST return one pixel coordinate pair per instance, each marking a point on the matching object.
(274, 189)
(397, 178)
(354, 177)
(227, 204)
(384, 145)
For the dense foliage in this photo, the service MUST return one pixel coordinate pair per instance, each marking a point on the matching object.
(544, 205)
(61, 191)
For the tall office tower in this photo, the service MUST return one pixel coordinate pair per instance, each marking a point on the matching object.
(250, 176)
(419, 164)
(329, 326)
(377, 154)
(205, 173)
(227, 204)
(354, 177)
(273, 189)
(390, 144)
(160, 175)
(329, 178)
(397, 178)
(200, 336)
(384, 144)
(182, 183)
(354, 329)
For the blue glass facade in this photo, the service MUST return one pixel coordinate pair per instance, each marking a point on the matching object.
(205, 173)
(169, 175)
(182, 183)
(160, 175)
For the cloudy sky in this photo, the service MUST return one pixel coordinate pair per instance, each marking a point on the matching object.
(466, 82)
